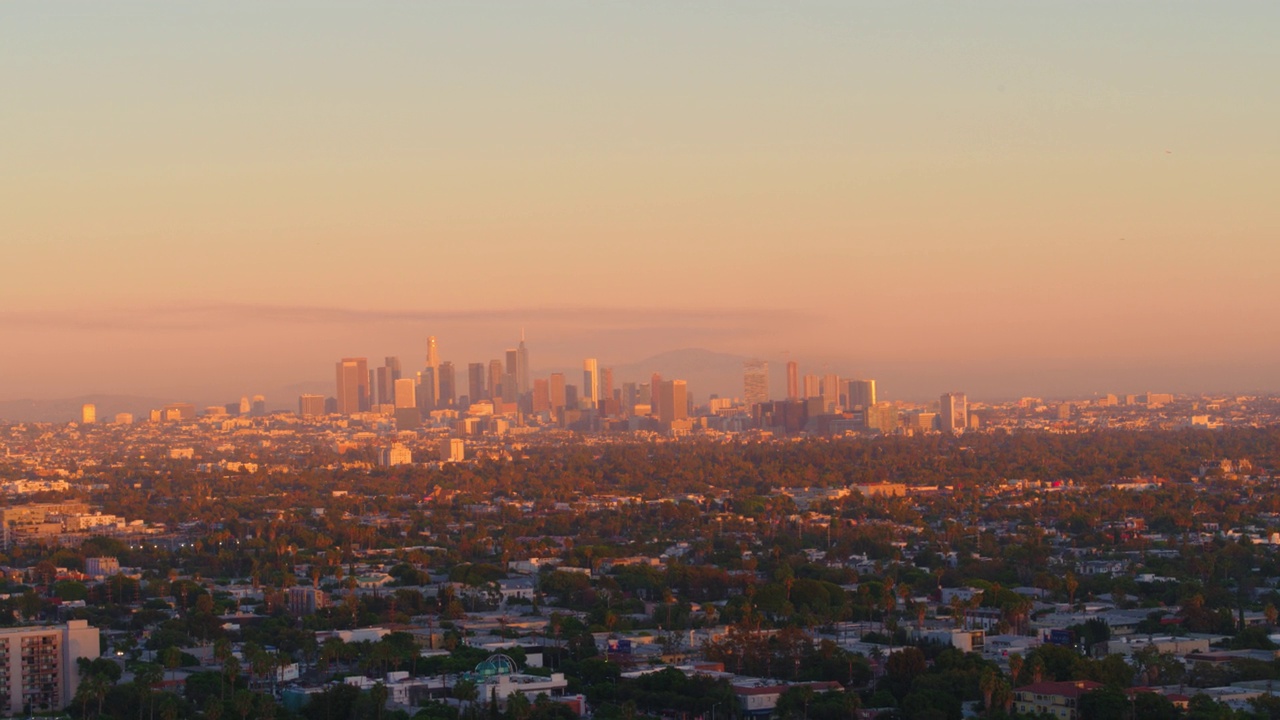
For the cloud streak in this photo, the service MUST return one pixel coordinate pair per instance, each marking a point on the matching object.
(237, 315)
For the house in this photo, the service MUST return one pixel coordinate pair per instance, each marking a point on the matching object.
(1056, 699)
(761, 700)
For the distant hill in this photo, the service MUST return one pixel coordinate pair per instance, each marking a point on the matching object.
(68, 409)
(706, 371)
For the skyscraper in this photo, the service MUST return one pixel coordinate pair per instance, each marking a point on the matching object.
(953, 414)
(522, 366)
(755, 382)
(428, 381)
(862, 393)
(88, 413)
(541, 395)
(675, 402)
(557, 392)
(812, 386)
(433, 362)
(590, 382)
(830, 392)
(353, 385)
(446, 379)
(655, 395)
(606, 384)
(630, 397)
(475, 382)
(793, 380)
(406, 393)
(496, 389)
(387, 375)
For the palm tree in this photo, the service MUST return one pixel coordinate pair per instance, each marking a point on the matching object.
(172, 657)
(221, 652)
(987, 683)
(231, 669)
(1015, 667)
(92, 687)
(243, 701)
(147, 677)
(518, 706)
(378, 693)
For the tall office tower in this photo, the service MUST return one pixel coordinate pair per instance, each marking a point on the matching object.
(522, 366)
(862, 393)
(590, 381)
(830, 392)
(475, 382)
(426, 390)
(755, 382)
(793, 380)
(812, 386)
(388, 374)
(541, 395)
(311, 405)
(259, 406)
(89, 413)
(246, 407)
(630, 397)
(571, 398)
(353, 385)
(556, 389)
(953, 413)
(447, 380)
(406, 393)
(675, 401)
(512, 361)
(655, 394)
(606, 384)
(511, 390)
(433, 353)
(40, 669)
(496, 390)
(433, 362)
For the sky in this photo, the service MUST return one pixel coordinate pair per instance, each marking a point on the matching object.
(1011, 198)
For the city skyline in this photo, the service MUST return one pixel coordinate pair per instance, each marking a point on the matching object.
(939, 196)
(719, 374)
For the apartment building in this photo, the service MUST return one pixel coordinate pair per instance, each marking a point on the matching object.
(38, 671)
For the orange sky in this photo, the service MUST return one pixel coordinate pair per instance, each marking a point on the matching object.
(1011, 197)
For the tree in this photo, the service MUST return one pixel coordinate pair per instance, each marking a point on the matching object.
(903, 667)
(93, 688)
(231, 669)
(794, 702)
(378, 693)
(987, 683)
(243, 701)
(1015, 667)
(172, 658)
(1104, 704)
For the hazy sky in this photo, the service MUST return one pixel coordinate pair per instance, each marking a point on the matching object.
(1005, 197)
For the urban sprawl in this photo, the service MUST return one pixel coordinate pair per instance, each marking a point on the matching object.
(432, 545)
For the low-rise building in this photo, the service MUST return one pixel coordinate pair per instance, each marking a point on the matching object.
(1056, 699)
